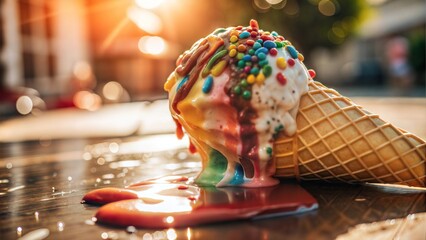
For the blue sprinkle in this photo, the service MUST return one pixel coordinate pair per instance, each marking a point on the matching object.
(244, 34)
(238, 178)
(292, 51)
(257, 45)
(247, 58)
(261, 50)
(184, 80)
(275, 34)
(269, 44)
(208, 84)
(259, 41)
(261, 55)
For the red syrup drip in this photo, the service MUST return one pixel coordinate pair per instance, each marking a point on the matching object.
(165, 203)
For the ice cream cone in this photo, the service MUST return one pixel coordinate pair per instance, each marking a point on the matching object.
(337, 140)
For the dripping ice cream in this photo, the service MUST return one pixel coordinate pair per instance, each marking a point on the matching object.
(233, 92)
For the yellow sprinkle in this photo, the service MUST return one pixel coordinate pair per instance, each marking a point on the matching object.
(300, 57)
(266, 33)
(234, 33)
(171, 81)
(218, 68)
(233, 38)
(232, 52)
(260, 78)
(251, 79)
(240, 56)
(232, 46)
(281, 63)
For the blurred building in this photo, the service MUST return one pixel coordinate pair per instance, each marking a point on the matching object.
(365, 59)
(42, 41)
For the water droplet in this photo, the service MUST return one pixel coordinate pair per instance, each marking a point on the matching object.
(36, 216)
(37, 234)
(87, 156)
(108, 176)
(4, 180)
(100, 161)
(171, 234)
(147, 236)
(69, 178)
(131, 229)
(19, 231)
(104, 235)
(9, 165)
(98, 180)
(94, 219)
(53, 189)
(61, 226)
(114, 147)
(169, 219)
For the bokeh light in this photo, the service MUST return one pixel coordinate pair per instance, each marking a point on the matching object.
(272, 2)
(327, 7)
(87, 100)
(261, 5)
(112, 91)
(145, 20)
(82, 70)
(152, 45)
(24, 105)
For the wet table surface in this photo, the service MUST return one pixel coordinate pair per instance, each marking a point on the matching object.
(42, 183)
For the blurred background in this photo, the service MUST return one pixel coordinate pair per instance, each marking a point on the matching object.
(88, 53)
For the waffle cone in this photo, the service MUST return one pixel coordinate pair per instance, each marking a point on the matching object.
(337, 140)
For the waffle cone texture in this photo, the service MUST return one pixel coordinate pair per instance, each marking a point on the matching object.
(337, 140)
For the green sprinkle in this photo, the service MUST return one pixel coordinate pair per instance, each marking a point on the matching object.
(279, 44)
(244, 83)
(237, 90)
(254, 71)
(241, 63)
(251, 51)
(247, 95)
(267, 70)
(212, 61)
(269, 151)
(218, 31)
(249, 63)
(264, 62)
(240, 56)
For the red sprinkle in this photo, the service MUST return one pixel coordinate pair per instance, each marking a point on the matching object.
(182, 187)
(312, 73)
(267, 37)
(183, 179)
(192, 198)
(250, 42)
(281, 79)
(291, 62)
(247, 69)
(273, 51)
(239, 28)
(249, 29)
(254, 24)
(253, 34)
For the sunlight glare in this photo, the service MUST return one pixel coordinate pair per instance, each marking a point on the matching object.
(145, 20)
(148, 4)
